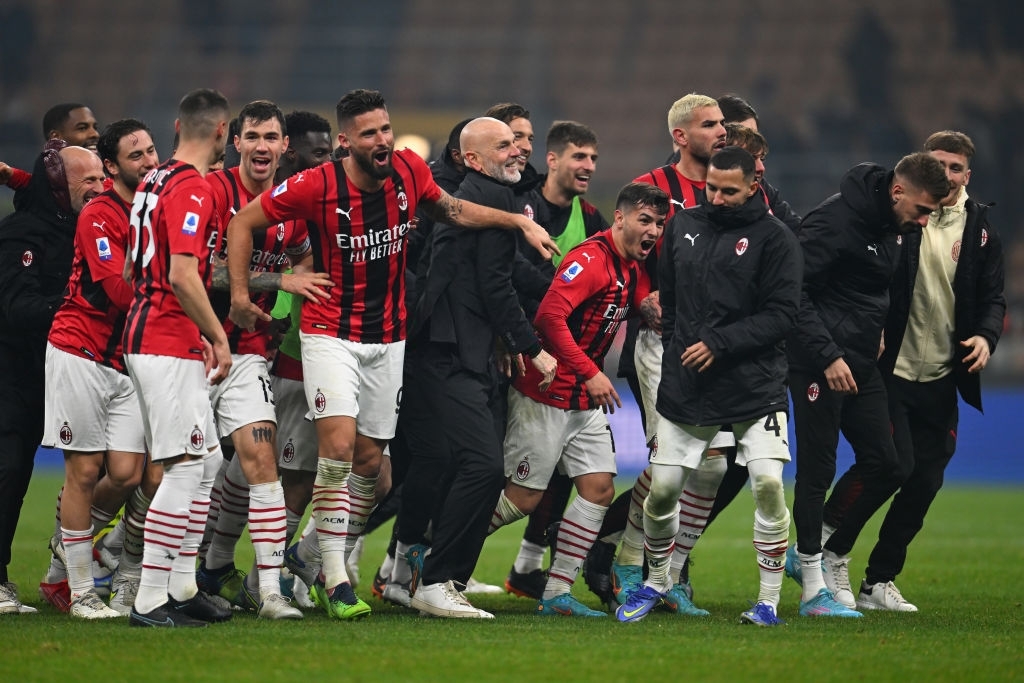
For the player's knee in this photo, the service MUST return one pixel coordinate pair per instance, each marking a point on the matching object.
(770, 500)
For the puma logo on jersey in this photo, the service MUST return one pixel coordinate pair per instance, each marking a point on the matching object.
(233, 211)
(682, 205)
(344, 213)
(873, 248)
(198, 200)
(589, 257)
(692, 238)
(101, 225)
(620, 284)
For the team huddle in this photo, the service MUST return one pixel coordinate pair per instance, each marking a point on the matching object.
(335, 324)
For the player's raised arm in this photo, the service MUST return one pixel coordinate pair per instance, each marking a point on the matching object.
(250, 218)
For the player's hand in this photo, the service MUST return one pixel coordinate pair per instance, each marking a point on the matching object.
(979, 355)
(602, 392)
(221, 361)
(839, 377)
(547, 366)
(539, 239)
(650, 311)
(309, 285)
(245, 314)
(5, 173)
(208, 358)
(697, 356)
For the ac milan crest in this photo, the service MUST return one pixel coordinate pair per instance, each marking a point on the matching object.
(288, 454)
(403, 201)
(899, 239)
(528, 212)
(65, 434)
(984, 237)
(523, 470)
(196, 438)
(813, 392)
(280, 232)
(956, 252)
(741, 246)
(27, 258)
(320, 401)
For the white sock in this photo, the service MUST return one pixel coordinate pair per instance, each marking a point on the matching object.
(267, 527)
(401, 573)
(182, 583)
(360, 500)
(164, 531)
(331, 510)
(78, 551)
(576, 535)
(632, 550)
(810, 575)
(530, 557)
(661, 521)
(695, 503)
(232, 518)
(505, 512)
(771, 526)
(214, 514)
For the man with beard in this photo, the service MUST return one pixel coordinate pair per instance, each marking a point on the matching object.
(36, 252)
(851, 244)
(468, 306)
(92, 410)
(730, 293)
(353, 344)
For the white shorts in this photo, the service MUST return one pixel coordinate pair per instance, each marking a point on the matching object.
(540, 437)
(296, 436)
(175, 399)
(245, 397)
(90, 407)
(647, 358)
(686, 445)
(347, 378)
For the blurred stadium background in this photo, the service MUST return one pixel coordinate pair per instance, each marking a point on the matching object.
(834, 84)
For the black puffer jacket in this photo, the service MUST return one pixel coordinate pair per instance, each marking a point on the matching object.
(977, 289)
(733, 282)
(850, 246)
(37, 246)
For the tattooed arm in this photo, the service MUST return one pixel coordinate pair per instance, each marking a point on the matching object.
(448, 209)
(302, 282)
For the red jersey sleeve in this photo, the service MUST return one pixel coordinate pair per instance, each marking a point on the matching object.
(19, 179)
(102, 239)
(297, 198)
(574, 283)
(187, 214)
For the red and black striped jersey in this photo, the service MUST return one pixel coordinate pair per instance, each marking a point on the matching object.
(271, 250)
(90, 321)
(593, 292)
(359, 239)
(172, 213)
(682, 192)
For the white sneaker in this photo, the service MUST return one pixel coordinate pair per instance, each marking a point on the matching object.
(474, 587)
(835, 569)
(396, 593)
(91, 606)
(9, 602)
(122, 593)
(352, 561)
(276, 606)
(443, 600)
(300, 593)
(883, 596)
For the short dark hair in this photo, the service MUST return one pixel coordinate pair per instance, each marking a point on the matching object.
(57, 115)
(639, 195)
(735, 108)
(301, 122)
(924, 172)
(952, 141)
(562, 133)
(730, 157)
(110, 138)
(508, 112)
(259, 111)
(200, 111)
(357, 102)
(746, 138)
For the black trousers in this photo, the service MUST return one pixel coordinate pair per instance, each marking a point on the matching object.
(21, 430)
(456, 470)
(924, 421)
(863, 418)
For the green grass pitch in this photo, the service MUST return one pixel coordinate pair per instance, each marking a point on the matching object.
(965, 573)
